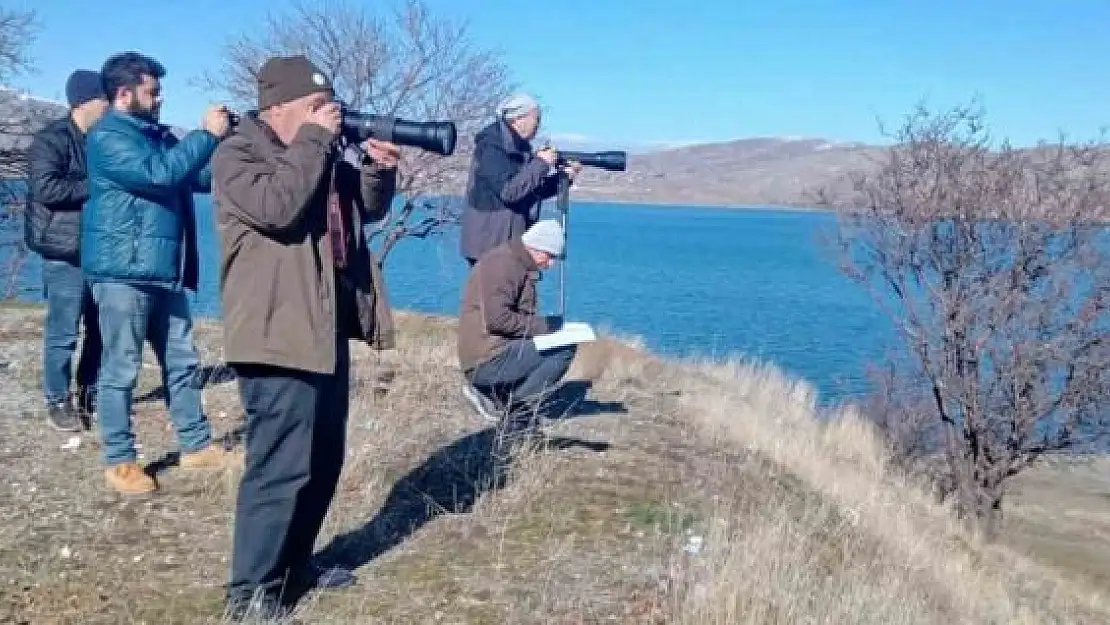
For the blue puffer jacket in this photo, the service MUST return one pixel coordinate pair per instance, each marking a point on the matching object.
(138, 225)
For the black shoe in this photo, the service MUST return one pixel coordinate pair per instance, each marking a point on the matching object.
(64, 418)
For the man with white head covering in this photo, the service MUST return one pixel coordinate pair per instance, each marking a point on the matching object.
(507, 179)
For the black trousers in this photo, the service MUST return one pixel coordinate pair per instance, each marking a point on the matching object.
(295, 443)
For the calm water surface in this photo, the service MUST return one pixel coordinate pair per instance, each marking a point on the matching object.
(689, 281)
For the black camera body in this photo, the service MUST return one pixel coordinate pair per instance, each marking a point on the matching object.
(357, 126)
(609, 161)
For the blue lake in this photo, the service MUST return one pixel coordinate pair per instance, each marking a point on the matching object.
(690, 281)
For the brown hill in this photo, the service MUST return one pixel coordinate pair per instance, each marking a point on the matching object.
(759, 171)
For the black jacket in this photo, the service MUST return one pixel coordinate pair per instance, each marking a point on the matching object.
(58, 190)
(506, 184)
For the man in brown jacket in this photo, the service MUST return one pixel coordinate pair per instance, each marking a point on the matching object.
(297, 281)
(497, 321)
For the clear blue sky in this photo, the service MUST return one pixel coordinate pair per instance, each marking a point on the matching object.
(687, 70)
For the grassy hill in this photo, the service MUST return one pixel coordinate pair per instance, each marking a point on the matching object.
(675, 493)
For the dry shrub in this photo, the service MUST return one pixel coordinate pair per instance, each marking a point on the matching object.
(994, 264)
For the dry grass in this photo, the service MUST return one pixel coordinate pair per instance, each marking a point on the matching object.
(687, 493)
(1060, 515)
(874, 548)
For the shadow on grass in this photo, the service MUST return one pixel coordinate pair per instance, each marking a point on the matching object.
(206, 375)
(570, 402)
(228, 441)
(450, 481)
(165, 463)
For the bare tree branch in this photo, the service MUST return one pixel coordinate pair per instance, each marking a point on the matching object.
(406, 62)
(994, 264)
(19, 118)
(18, 30)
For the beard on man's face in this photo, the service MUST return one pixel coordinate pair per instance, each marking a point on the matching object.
(148, 113)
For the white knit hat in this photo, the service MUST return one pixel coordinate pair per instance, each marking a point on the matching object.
(516, 105)
(545, 236)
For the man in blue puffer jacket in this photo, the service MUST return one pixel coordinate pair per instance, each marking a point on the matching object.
(139, 252)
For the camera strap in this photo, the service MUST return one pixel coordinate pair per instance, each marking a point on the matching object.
(337, 230)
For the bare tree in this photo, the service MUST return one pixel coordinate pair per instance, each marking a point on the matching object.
(408, 64)
(18, 30)
(994, 264)
(18, 120)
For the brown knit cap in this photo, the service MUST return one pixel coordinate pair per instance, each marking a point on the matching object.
(285, 78)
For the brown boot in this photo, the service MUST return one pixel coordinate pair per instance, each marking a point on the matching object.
(130, 479)
(212, 457)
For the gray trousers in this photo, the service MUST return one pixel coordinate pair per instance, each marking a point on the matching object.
(522, 372)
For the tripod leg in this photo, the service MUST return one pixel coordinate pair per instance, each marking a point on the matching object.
(563, 283)
(564, 209)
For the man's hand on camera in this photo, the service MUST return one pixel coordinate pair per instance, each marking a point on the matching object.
(548, 155)
(328, 116)
(385, 154)
(216, 120)
(571, 169)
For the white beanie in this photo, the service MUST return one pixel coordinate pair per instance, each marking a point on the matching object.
(545, 236)
(516, 105)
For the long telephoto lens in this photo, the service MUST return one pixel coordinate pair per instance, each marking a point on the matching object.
(610, 161)
(437, 137)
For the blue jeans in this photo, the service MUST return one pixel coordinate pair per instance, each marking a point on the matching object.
(69, 301)
(128, 315)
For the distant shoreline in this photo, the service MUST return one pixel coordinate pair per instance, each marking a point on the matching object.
(735, 207)
(784, 208)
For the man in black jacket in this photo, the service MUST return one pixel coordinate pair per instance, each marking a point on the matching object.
(58, 190)
(507, 180)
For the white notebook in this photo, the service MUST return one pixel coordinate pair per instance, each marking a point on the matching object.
(572, 333)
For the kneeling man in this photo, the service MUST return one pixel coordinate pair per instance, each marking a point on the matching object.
(497, 321)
